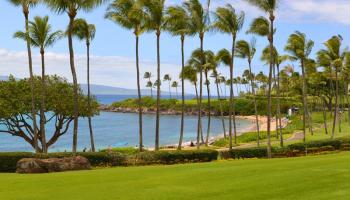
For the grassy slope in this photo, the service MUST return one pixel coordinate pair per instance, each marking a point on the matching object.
(323, 177)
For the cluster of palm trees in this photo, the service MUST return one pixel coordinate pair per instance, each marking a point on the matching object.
(192, 18)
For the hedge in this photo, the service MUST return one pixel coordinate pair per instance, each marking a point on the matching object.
(172, 157)
(8, 161)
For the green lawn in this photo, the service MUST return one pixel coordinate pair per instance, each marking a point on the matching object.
(321, 177)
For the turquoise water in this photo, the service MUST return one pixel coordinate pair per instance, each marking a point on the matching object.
(120, 130)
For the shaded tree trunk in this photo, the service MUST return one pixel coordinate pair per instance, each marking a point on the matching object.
(31, 79)
(42, 107)
(279, 106)
(92, 141)
(336, 104)
(158, 93)
(139, 94)
(304, 97)
(199, 125)
(75, 82)
(182, 94)
(209, 109)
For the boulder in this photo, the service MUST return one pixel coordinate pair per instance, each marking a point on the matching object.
(36, 165)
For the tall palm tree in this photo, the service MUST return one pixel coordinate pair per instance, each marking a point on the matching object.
(84, 31)
(167, 78)
(332, 59)
(148, 76)
(247, 51)
(26, 5)
(129, 15)
(299, 48)
(41, 36)
(225, 57)
(155, 21)
(263, 27)
(199, 24)
(71, 8)
(175, 85)
(228, 21)
(178, 24)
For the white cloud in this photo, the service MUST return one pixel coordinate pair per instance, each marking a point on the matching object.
(105, 70)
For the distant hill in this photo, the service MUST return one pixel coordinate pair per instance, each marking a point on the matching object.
(109, 90)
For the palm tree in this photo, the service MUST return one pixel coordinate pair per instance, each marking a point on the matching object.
(129, 15)
(175, 85)
(218, 80)
(228, 21)
(300, 48)
(167, 78)
(178, 24)
(261, 26)
(148, 76)
(247, 51)
(84, 31)
(155, 21)
(41, 36)
(199, 23)
(26, 5)
(332, 59)
(71, 8)
(278, 60)
(225, 57)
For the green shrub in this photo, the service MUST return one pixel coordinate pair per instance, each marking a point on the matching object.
(244, 153)
(327, 148)
(8, 161)
(123, 150)
(172, 157)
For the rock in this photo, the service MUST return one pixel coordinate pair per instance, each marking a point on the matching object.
(36, 165)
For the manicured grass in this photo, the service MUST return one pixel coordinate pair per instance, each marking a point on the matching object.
(321, 177)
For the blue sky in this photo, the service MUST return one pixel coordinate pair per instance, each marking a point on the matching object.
(113, 48)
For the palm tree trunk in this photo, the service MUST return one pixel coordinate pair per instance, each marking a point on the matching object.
(42, 107)
(347, 99)
(220, 106)
(279, 106)
(325, 116)
(75, 84)
(232, 111)
(199, 125)
(139, 94)
(151, 87)
(276, 114)
(209, 109)
(255, 104)
(31, 79)
(336, 104)
(182, 94)
(158, 92)
(269, 106)
(92, 141)
(304, 100)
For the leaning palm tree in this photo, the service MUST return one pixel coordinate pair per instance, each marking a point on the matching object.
(129, 15)
(263, 27)
(199, 24)
(71, 8)
(155, 21)
(26, 5)
(247, 51)
(148, 76)
(299, 48)
(167, 78)
(178, 24)
(41, 36)
(228, 21)
(332, 59)
(84, 31)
